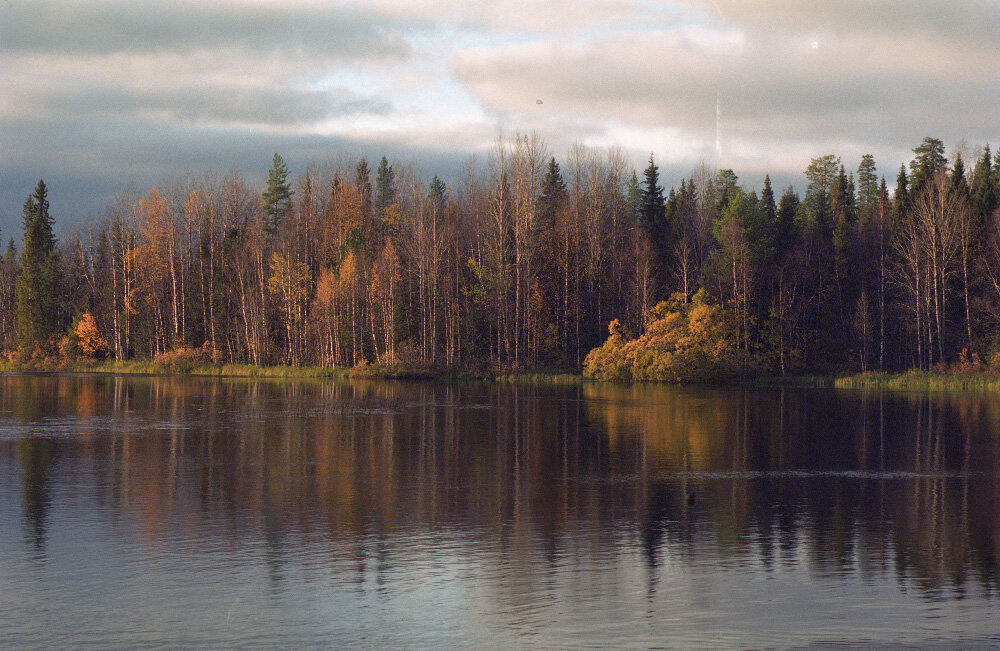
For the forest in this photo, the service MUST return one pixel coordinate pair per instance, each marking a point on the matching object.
(523, 263)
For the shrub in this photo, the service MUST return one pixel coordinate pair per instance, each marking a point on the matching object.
(682, 343)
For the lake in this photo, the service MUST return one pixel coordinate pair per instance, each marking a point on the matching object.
(186, 512)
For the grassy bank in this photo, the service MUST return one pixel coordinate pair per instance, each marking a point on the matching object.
(399, 372)
(140, 367)
(908, 381)
(921, 381)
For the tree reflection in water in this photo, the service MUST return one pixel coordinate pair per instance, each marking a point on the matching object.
(878, 485)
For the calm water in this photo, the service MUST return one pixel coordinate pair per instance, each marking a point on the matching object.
(235, 513)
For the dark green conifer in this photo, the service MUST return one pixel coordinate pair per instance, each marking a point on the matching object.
(385, 188)
(277, 196)
(363, 184)
(652, 205)
(37, 307)
(901, 197)
(928, 159)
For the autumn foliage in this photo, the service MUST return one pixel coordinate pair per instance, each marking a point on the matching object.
(84, 340)
(690, 342)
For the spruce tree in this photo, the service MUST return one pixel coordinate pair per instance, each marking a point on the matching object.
(553, 195)
(768, 211)
(984, 188)
(277, 196)
(788, 207)
(385, 189)
(37, 305)
(437, 192)
(652, 205)
(633, 196)
(958, 186)
(901, 197)
(363, 184)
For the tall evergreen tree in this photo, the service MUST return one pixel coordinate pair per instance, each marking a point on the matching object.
(768, 211)
(767, 200)
(788, 207)
(8, 297)
(726, 186)
(822, 174)
(278, 195)
(385, 188)
(652, 209)
(901, 197)
(867, 193)
(363, 184)
(37, 302)
(958, 186)
(633, 196)
(553, 193)
(928, 159)
(984, 186)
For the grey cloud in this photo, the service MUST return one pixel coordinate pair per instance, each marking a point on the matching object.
(85, 166)
(270, 106)
(972, 22)
(50, 26)
(767, 93)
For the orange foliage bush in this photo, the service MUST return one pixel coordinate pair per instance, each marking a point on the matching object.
(89, 339)
(682, 343)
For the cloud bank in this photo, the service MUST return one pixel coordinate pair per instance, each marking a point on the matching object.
(97, 94)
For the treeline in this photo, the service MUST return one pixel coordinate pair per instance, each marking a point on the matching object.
(520, 264)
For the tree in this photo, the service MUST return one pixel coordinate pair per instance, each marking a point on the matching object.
(88, 337)
(385, 190)
(928, 159)
(551, 249)
(37, 298)
(8, 297)
(787, 209)
(363, 184)
(652, 209)
(984, 191)
(901, 197)
(278, 195)
(822, 174)
(867, 196)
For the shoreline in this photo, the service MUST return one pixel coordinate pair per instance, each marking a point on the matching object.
(911, 380)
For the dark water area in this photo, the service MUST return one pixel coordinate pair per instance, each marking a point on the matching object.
(185, 512)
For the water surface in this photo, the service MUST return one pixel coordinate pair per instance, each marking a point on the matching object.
(236, 513)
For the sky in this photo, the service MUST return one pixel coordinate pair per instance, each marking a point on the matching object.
(100, 95)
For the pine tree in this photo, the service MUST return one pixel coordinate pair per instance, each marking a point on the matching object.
(278, 195)
(822, 174)
(928, 159)
(37, 305)
(867, 195)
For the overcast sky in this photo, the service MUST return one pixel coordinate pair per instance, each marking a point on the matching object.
(98, 94)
